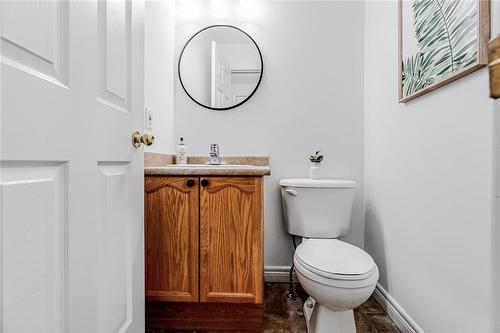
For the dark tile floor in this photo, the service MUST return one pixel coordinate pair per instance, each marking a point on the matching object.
(283, 315)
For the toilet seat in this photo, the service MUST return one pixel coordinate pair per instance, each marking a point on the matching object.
(335, 263)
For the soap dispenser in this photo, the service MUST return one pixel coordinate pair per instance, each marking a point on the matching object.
(181, 152)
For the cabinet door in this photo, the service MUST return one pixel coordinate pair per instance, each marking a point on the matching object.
(171, 231)
(231, 237)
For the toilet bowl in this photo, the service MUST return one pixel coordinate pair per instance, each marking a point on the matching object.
(337, 276)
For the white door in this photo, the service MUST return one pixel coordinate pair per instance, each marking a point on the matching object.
(220, 79)
(71, 183)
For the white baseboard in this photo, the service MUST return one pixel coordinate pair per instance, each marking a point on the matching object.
(398, 315)
(278, 274)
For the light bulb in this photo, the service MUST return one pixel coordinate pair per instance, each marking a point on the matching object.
(218, 7)
(188, 7)
(247, 7)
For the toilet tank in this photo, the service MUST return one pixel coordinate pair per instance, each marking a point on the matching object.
(317, 208)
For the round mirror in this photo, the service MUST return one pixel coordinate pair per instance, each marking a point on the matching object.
(220, 67)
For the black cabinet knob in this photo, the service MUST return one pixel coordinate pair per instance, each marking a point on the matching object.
(204, 182)
(190, 183)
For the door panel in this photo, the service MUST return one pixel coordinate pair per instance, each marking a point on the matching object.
(116, 248)
(231, 240)
(53, 118)
(35, 38)
(114, 30)
(171, 229)
(34, 253)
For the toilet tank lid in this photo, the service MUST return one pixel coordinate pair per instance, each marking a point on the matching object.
(308, 182)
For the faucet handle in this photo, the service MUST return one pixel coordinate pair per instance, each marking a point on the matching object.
(214, 154)
(214, 148)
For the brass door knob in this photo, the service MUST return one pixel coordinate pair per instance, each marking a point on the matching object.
(146, 139)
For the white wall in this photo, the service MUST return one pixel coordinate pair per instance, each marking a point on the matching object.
(197, 67)
(495, 28)
(496, 221)
(429, 171)
(159, 72)
(311, 96)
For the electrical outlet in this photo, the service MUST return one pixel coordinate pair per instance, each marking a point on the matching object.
(149, 118)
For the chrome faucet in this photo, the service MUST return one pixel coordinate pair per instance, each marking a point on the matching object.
(214, 155)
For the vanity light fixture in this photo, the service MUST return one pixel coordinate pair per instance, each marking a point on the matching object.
(247, 7)
(218, 7)
(188, 7)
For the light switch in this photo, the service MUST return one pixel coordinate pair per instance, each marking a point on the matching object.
(149, 118)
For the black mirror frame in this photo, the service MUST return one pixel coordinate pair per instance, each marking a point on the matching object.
(249, 96)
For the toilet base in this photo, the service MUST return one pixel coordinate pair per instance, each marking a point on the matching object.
(320, 319)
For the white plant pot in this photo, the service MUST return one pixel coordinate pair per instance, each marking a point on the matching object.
(314, 170)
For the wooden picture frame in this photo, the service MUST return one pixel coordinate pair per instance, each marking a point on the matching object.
(494, 65)
(483, 35)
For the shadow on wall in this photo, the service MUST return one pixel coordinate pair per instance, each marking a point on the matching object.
(285, 231)
(375, 245)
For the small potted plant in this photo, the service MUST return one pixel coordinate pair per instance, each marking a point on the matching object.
(315, 159)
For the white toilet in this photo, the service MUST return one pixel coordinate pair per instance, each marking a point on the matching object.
(337, 276)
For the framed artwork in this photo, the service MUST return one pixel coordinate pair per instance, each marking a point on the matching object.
(439, 42)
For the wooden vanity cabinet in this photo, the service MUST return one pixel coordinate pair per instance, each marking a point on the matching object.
(171, 238)
(204, 252)
(231, 234)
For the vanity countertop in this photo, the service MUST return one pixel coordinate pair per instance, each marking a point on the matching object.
(199, 170)
(163, 165)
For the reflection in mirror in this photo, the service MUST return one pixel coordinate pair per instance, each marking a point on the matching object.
(220, 67)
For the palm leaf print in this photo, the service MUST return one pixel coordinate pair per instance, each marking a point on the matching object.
(446, 34)
(416, 73)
